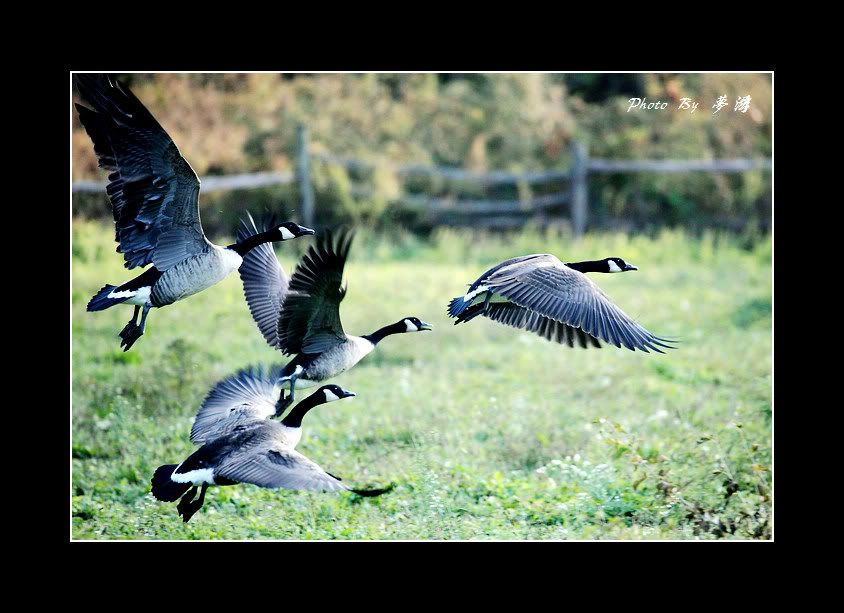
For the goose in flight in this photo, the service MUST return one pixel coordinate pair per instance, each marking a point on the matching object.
(154, 195)
(557, 301)
(308, 323)
(251, 450)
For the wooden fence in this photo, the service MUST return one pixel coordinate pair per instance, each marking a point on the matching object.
(491, 213)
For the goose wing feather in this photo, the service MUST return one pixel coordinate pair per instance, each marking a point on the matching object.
(264, 281)
(153, 190)
(249, 395)
(271, 465)
(310, 314)
(522, 318)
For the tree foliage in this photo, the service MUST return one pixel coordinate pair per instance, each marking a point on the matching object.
(227, 123)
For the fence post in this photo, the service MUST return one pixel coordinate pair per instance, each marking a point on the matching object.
(578, 187)
(303, 175)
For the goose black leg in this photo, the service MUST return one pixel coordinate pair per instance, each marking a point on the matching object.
(132, 331)
(184, 503)
(283, 402)
(194, 505)
(147, 307)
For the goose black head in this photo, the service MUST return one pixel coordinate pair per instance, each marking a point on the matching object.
(289, 230)
(414, 324)
(335, 392)
(618, 265)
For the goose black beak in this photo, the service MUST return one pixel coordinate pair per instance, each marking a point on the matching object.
(303, 231)
(425, 326)
(630, 267)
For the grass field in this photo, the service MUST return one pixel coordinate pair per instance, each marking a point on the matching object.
(486, 432)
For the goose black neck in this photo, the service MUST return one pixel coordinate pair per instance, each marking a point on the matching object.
(589, 266)
(294, 418)
(247, 244)
(378, 335)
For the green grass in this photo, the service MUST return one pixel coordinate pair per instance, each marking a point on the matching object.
(487, 432)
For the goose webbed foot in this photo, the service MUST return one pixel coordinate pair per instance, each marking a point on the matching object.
(130, 334)
(132, 331)
(127, 328)
(133, 323)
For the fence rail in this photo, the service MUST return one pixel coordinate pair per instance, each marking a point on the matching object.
(493, 177)
(482, 207)
(498, 212)
(741, 165)
(212, 183)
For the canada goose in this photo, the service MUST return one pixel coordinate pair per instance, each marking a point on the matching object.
(309, 322)
(257, 451)
(540, 294)
(155, 201)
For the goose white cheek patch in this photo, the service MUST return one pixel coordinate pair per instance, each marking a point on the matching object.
(330, 396)
(286, 234)
(613, 266)
(411, 327)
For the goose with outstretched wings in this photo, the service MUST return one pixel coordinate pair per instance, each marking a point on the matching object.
(557, 301)
(309, 326)
(154, 195)
(241, 445)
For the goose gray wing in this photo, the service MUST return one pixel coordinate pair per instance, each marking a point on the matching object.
(264, 281)
(548, 287)
(506, 263)
(457, 305)
(247, 396)
(154, 192)
(310, 315)
(521, 318)
(270, 465)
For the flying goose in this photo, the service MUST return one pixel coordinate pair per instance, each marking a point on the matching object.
(557, 301)
(309, 322)
(154, 195)
(257, 451)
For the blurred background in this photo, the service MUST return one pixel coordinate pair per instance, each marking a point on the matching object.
(484, 150)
